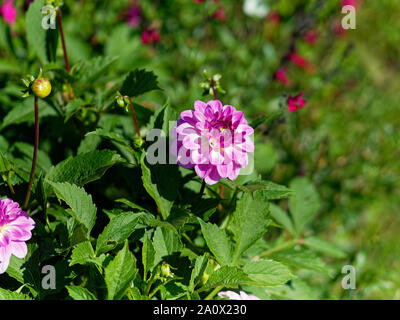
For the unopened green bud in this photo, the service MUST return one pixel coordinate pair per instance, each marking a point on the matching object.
(41, 87)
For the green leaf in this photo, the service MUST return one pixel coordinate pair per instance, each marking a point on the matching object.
(82, 253)
(35, 33)
(84, 168)
(271, 190)
(304, 204)
(10, 295)
(229, 277)
(218, 242)
(80, 293)
(320, 245)
(282, 218)
(148, 254)
(43, 160)
(250, 221)
(303, 259)
(197, 272)
(81, 203)
(162, 118)
(267, 272)
(138, 82)
(117, 230)
(25, 112)
(161, 182)
(95, 68)
(120, 273)
(72, 107)
(112, 136)
(166, 242)
(267, 119)
(40, 193)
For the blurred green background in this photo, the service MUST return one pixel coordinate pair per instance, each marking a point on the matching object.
(346, 139)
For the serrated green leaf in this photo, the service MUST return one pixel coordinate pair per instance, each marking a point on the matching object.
(250, 221)
(281, 217)
(120, 273)
(166, 242)
(35, 33)
(82, 253)
(11, 295)
(138, 82)
(218, 242)
(229, 277)
(118, 229)
(302, 258)
(304, 204)
(148, 254)
(84, 168)
(81, 203)
(197, 272)
(267, 272)
(161, 182)
(25, 112)
(80, 293)
(327, 248)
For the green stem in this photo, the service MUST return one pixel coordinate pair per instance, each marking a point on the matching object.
(34, 159)
(134, 116)
(214, 292)
(203, 186)
(60, 25)
(283, 246)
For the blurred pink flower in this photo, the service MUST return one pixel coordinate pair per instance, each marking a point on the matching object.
(219, 14)
(9, 12)
(296, 102)
(150, 36)
(298, 60)
(15, 229)
(281, 76)
(237, 296)
(214, 139)
(311, 36)
(134, 15)
(349, 3)
(274, 17)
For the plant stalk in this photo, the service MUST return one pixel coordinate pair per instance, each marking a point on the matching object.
(35, 150)
(60, 25)
(283, 246)
(214, 292)
(134, 116)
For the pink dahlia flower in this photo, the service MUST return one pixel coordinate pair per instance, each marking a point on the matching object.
(9, 12)
(134, 16)
(237, 296)
(15, 229)
(296, 102)
(281, 76)
(150, 36)
(214, 140)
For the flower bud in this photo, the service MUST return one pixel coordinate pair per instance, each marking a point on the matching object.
(41, 87)
(166, 271)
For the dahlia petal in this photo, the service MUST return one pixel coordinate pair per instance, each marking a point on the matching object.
(191, 142)
(212, 177)
(5, 255)
(19, 249)
(199, 106)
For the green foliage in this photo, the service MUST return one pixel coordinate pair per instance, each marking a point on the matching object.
(116, 225)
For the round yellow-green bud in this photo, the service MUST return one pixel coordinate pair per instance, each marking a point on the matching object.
(41, 87)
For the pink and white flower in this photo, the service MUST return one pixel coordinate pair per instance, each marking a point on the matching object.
(214, 140)
(237, 296)
(9, 12)
(15, 229)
